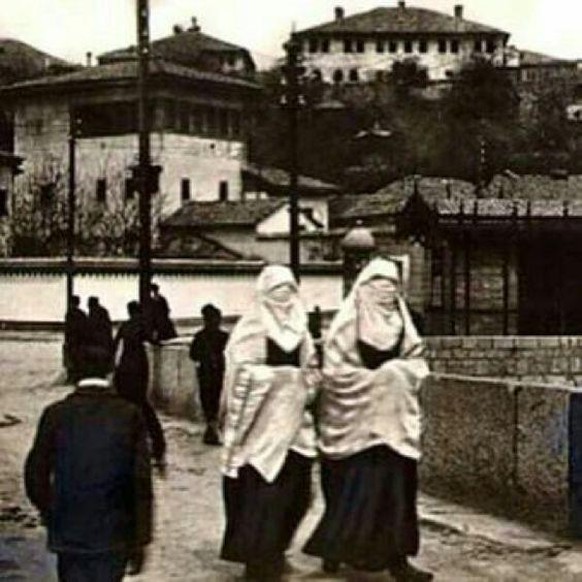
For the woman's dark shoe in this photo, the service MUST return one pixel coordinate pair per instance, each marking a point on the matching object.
(406, 572)
(330, 566)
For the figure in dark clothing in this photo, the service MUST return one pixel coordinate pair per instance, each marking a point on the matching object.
(100, 327)
(314, 324)
(89, 475)
(207, 349)
(75, 337)
(162, 327)
(132, 375)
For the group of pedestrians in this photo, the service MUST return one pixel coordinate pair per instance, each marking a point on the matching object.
(285, 404)
(358, 413)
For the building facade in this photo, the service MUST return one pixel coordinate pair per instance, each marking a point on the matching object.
(365, 47)
(198, 120)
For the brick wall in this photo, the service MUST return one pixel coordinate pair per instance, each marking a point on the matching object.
(538, 359)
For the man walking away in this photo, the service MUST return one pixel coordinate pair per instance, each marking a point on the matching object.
(207, 349)
(162, 327)
(100, 326)
(89, 475)
(75, 336)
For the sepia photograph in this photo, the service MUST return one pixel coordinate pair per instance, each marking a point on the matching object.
(290, 291)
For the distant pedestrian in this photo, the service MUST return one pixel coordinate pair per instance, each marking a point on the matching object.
(100, 326)
(269, 437)
(162, 327)
(315, 325)
(207, 350)
(369, 429)
(89, 475)
(131, 376)
(75, 337)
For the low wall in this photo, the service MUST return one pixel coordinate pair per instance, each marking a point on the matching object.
(514, 448)
(556, 360)
(34, 290)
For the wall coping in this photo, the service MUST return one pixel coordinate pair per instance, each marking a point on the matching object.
(90, 265)
(512, 385)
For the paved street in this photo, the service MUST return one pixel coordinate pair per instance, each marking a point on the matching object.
(457, 544)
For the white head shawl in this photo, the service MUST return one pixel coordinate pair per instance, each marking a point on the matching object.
(284, 321)
(381, 328)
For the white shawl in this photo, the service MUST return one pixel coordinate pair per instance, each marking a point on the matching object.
(264, 407)
(361, 408)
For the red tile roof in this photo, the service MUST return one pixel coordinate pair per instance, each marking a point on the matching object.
(407, 20)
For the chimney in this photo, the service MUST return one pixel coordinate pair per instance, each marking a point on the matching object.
(459, 11)
(401, 4)
(339, 13)
(194, 27)
(88, 58)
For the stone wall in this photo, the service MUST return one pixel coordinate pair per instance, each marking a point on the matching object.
(507, 447)
(535, 358)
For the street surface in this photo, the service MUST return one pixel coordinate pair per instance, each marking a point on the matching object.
(458, 545)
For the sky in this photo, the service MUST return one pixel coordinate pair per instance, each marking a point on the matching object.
(70, 28)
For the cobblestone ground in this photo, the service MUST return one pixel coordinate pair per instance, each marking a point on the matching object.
(189, 520)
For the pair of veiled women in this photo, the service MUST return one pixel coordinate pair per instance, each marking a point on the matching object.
(368, 429)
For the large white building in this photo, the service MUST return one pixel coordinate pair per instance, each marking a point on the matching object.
(364, 47)
(201, 93)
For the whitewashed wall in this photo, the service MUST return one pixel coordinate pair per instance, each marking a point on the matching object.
(41, 296)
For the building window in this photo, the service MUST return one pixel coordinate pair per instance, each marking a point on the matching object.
(348, 46)
(338, 76)
(490, 46)
(478, 46)
(184, 118)
(393, 46)
(442, 46)
(407, 46)
(101, 190)
(47, 194)
(325, 45)
(223, 122)
(313, 45)
(423, 46)
(130, 189)
(223, 191)
(236, 123)
(317, 75)
(379, 46)
(360, 46)
(185, 190)
(353, 76)
(3, 202)
(455, 46)
(379, 76)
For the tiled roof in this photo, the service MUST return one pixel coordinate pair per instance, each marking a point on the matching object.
(391, 199)
(530, 58)
(402, 21)
(20, 61)
(183, 48)
(223, 214)
(521, 196)
(127, 70)
(279, 180)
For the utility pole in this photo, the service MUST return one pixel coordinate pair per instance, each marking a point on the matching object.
(74, 132)
(144, 166)
(292, 71)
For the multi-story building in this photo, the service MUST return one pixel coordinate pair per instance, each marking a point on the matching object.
(198, 116)
(364, 47)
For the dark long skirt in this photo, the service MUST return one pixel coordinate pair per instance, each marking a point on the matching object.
(370, 520)
(261, 517)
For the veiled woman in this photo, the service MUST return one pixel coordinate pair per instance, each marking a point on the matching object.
(369, 425)
(269, 438)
